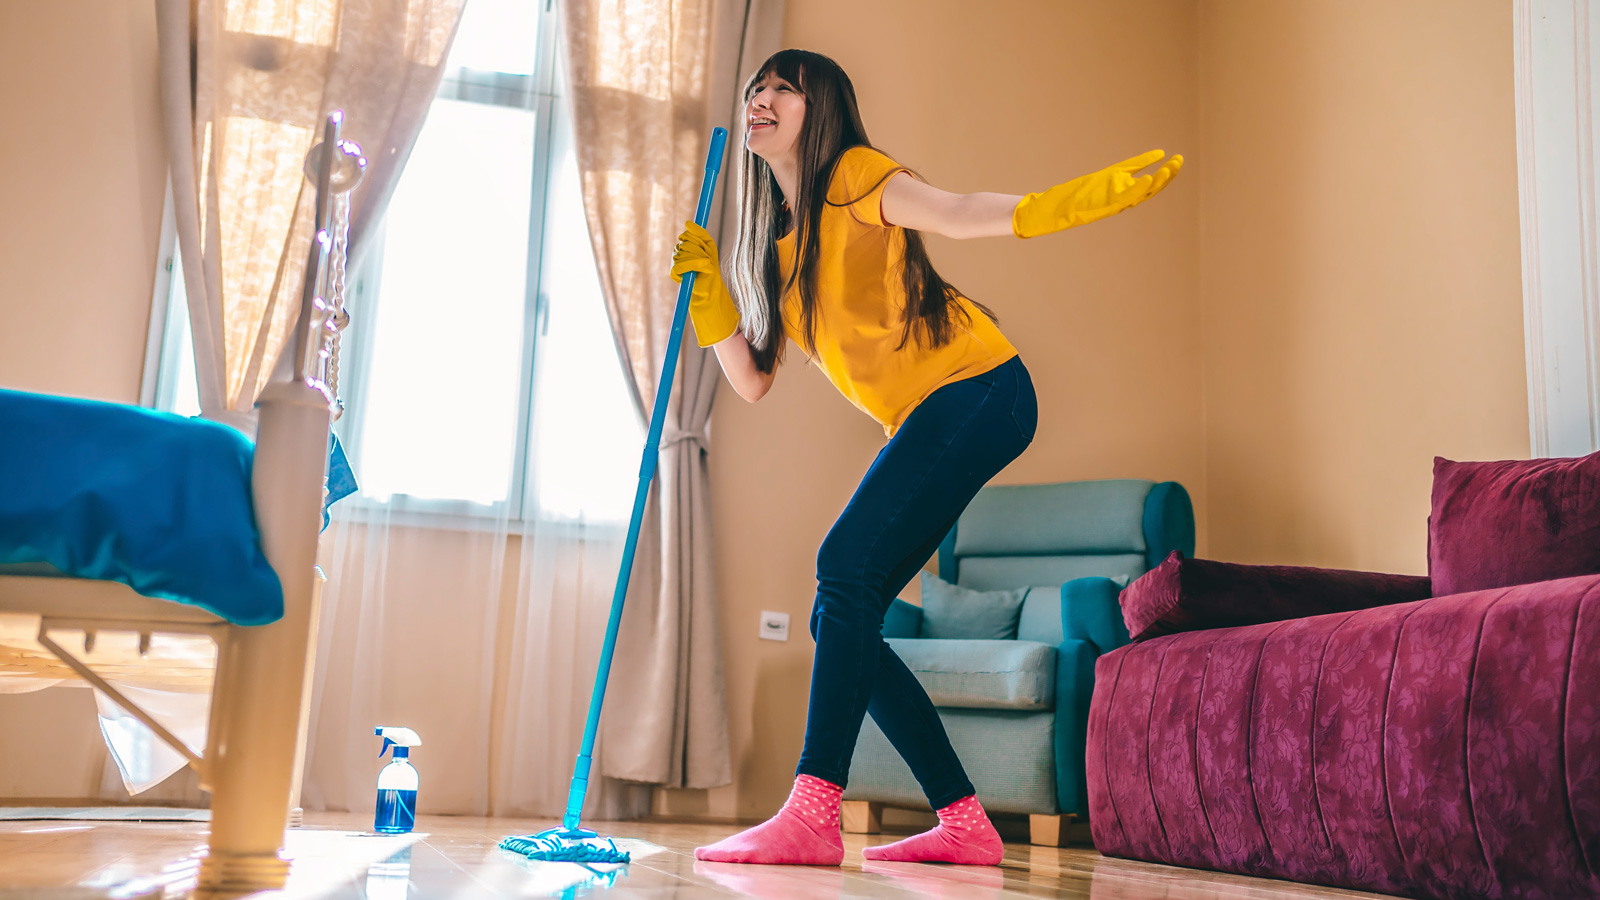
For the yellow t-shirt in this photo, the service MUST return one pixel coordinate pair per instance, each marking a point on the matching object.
(861, 303)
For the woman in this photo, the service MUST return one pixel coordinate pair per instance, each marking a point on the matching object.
(926, 362)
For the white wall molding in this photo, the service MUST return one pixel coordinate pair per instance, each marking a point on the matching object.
(1555, 56)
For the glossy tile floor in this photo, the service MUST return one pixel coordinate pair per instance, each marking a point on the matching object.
(456, 858)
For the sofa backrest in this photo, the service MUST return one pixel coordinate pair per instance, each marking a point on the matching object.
(1043, 535)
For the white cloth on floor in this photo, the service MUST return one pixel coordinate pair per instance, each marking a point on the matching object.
(143, 759)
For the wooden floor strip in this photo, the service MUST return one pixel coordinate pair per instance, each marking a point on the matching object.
(451, 857)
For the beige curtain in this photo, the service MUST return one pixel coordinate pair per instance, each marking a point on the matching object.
(245, 86)
(648, 79)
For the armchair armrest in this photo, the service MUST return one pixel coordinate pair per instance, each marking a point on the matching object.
(1091, 625)
(1075, 661)
(1089, 612)
(1168, 523)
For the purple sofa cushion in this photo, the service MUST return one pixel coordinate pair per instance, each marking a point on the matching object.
(1192, 594)
(1519, 521)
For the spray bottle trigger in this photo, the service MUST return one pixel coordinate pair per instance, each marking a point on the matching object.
(387, 743)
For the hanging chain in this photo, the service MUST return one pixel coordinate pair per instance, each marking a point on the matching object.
(330, 318)
(336, 277)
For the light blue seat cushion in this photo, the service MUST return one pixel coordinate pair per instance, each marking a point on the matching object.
(158, 502)
(1018, 675)
(1008, 755)
(953, 612)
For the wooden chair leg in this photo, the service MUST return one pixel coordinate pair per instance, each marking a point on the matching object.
(297, 817)
(862, 817)
(261, 670)
(249, 766)
(1049, 831)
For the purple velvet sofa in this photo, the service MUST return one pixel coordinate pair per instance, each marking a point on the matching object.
(1446, 747)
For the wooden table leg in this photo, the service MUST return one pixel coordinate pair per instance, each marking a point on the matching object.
(862, 817)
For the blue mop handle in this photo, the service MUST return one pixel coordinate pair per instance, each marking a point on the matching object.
(647, 471)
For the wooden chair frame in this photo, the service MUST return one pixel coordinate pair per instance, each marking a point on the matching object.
(255, 744)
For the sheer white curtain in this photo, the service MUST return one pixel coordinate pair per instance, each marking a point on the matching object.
(479, 624)
(481, 628)
(484, 638)
(1557, 110)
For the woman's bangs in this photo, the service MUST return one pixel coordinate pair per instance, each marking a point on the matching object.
(786, 64)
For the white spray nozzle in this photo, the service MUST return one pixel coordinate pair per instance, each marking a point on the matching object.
(394, 736)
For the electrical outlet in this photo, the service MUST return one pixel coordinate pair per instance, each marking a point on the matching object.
(774, 626)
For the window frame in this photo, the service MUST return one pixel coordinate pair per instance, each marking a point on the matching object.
(162, 349)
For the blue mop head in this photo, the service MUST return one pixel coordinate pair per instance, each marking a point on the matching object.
(574, 845)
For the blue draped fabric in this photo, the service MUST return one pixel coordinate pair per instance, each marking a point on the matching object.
(155, 501)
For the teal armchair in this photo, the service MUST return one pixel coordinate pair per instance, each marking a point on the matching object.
(1017, 712)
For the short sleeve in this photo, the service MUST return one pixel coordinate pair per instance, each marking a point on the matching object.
(858, 183)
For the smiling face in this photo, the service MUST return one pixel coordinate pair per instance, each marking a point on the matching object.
(772, 118)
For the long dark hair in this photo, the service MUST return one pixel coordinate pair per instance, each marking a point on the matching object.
(832, 125)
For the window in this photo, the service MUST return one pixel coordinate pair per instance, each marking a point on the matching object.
(479, 353)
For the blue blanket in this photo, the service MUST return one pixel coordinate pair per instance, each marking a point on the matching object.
(156, 501)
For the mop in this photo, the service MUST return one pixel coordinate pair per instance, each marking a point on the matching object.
(571, 842)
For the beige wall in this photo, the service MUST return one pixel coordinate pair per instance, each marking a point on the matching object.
(1107, 318)
(82, 177)
(1360, 270)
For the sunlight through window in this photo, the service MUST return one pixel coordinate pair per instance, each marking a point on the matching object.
(587, 434)
(440, 412)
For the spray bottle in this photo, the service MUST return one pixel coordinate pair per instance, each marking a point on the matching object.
(397, 783)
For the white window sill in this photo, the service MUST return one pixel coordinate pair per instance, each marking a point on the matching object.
(456, 515)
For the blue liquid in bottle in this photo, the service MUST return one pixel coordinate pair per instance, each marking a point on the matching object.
(397, 812)
(397, 795)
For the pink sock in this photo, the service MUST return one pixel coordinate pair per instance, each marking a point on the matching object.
(805, 832)
(963, 836)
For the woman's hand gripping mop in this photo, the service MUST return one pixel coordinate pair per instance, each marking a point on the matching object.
(570, 842)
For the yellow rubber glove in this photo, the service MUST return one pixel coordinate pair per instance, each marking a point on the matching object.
(711, 307)
(1092, 197)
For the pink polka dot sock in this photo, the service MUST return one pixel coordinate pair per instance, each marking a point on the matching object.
(964, 836)
(805, 832)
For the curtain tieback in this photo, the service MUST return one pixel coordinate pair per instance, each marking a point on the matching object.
(671, 437)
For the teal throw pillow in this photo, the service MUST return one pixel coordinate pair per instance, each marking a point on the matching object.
(950, 611)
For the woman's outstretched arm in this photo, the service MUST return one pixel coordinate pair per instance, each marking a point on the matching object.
(912, 204)
(740, 366)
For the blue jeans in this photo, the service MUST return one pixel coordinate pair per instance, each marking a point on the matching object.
(949, 447)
